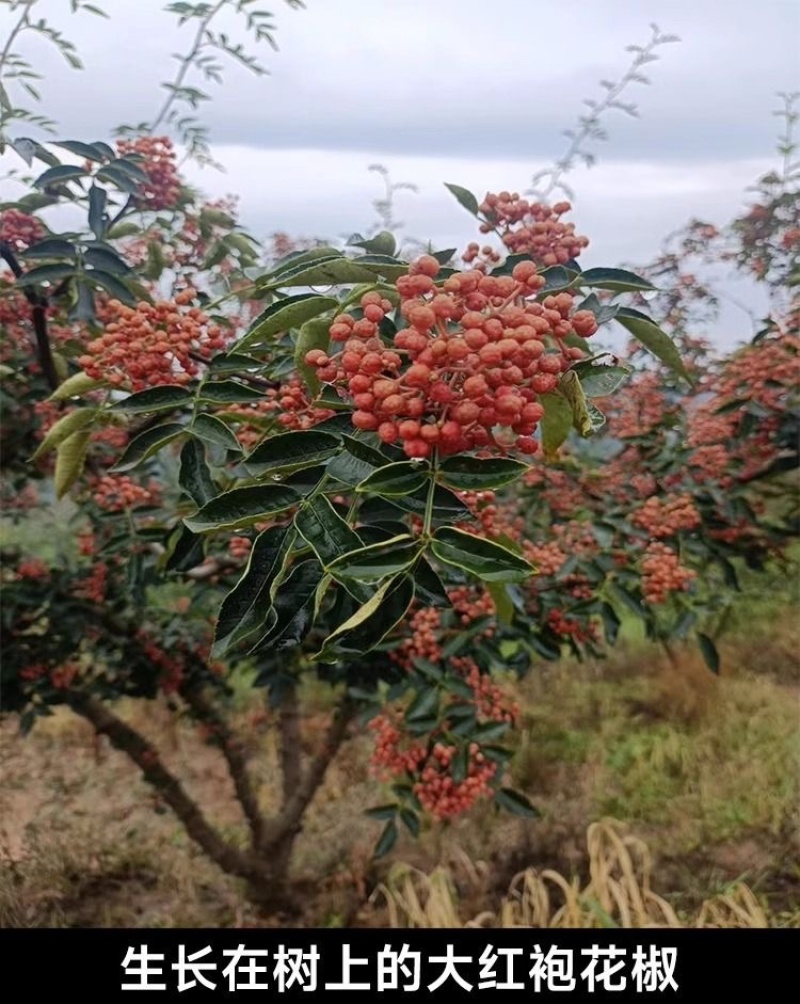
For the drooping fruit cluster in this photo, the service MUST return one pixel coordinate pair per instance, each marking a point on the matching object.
(491, 704)
(763, 376)
(158, 161)
(662, 573)
(711, 463)
(666, 517)
(152, 344)
(431, 768)
(532, 228)
(440, 793)
(570, 627)
(467, 371)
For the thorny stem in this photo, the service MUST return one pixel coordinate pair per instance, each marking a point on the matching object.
(186, 64)
(20, 26)
(589, 123)
(385, 206)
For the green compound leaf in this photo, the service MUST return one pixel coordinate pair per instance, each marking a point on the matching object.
(241, 507)
(146, 444)
(284, 315)
(395, 480)
(291, 451)
(370, 624)
(483, 558)
(377, 561)
(472, 474)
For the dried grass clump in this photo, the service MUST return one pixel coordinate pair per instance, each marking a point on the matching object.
(618, 894)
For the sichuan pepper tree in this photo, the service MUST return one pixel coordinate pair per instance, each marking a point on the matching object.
(319, 477)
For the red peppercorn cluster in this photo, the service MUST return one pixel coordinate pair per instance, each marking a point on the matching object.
(638, 411)
(290, 404)
(546, 558)
(570, 627)
(479, 257)
(467, 370)
(108, 443)
(662, 573)
(483, 508)
(163, 186)
(491, 704)
(666, 517)
(437, 790)
(422, 640)
(470, 604)
(558, 488)
(532, 228)
(390, 756)
(33, 568)
(19, 230)
(711, 463)
(296, 409)
(426, 633)
(644, 485)
(152, 344)
(117, 492)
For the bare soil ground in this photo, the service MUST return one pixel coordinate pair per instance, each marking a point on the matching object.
(704, 771)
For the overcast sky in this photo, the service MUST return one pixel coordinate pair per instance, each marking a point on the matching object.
(465, 91)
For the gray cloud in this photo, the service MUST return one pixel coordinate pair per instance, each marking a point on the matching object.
(458, 78)
(462, 91)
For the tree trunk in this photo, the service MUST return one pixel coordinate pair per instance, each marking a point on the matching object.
(270, 891)
(265, 864)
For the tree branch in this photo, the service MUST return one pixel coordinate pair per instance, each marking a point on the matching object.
(234, 757)
(146, 757)
(305, 790)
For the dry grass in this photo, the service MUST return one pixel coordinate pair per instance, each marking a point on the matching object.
(617, 894)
